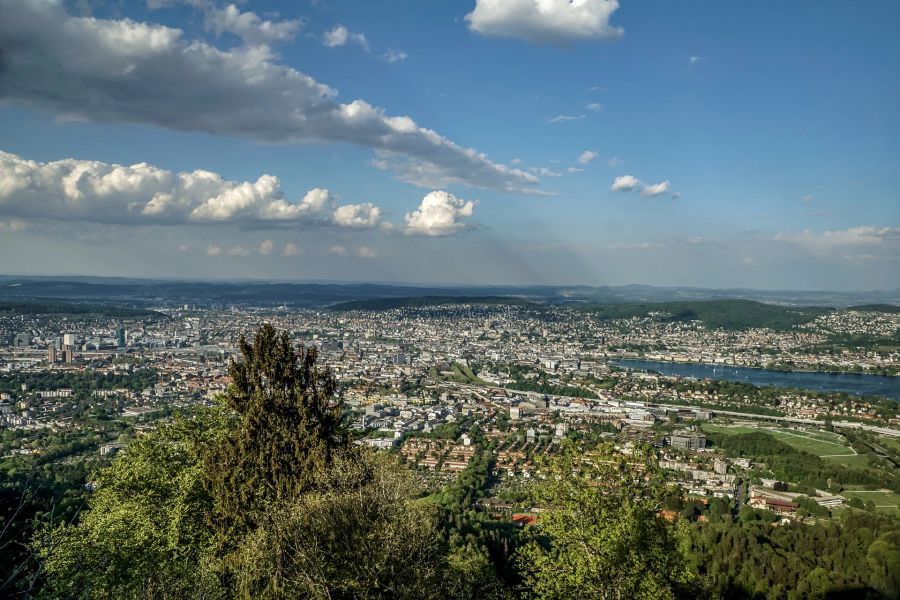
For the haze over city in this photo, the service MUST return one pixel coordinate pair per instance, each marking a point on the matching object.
(599, 143)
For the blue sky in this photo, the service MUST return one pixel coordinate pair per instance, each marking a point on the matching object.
(708, 144)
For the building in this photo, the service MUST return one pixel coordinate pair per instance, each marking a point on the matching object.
(51, 354)
(688, 440)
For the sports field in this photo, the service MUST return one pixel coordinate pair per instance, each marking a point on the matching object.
(885, 501)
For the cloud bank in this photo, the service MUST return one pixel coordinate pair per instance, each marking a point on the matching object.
(127, 71)
(93, 191)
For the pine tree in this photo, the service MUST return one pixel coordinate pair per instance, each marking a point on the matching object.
(289, 426)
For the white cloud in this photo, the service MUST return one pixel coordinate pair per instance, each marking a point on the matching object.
(338, 250)
(340, 36)
(394, 55)
(357, 215)
(366, 252)
(626, 183)
(428, 174)
(807, 197)
(587, 157)
(573, 170)
(213, 250)
(656, 189)
(266, 247)
(113, 70)
(545, 21)
(81, 190)
(238, 251)
(564, 118)
(439, 214)
(615, 161)
(595, 106)
(839, 240)
(693, 60)
(291, 249)
(544, 172)
(249, 26)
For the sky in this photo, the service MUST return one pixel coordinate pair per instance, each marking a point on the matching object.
(549, 142)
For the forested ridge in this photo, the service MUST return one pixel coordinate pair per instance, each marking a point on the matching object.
(266, 495)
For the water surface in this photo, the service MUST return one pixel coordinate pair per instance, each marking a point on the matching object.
(851, 383)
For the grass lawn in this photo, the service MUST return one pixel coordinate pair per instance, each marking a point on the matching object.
(726, 429)
(888, 502)
(889, 442)
(813, 442)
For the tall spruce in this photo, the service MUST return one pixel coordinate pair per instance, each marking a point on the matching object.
(289, 426)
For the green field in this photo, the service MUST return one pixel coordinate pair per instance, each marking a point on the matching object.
(888, 502)
(818, 443)
(727, 429)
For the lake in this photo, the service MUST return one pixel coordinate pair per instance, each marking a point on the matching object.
(860, 385)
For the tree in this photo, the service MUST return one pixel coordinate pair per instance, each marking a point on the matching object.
(288, 426)
(261, 497)
(602, 536)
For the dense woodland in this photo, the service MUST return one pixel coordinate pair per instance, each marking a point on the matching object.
(267, 496)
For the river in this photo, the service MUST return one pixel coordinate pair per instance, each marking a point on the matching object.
(851, 383)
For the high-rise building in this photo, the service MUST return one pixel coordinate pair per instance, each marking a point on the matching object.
(120, 335)
(69, 339)
(51, 353)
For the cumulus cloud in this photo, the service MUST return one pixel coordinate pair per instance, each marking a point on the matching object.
(366, 252)
(213, 250)
(249, 26)
(439, 214)
(338, 250)
(587, 157)
(545, 21)
(82, 190)
(626, 183)
(615, 161)
(340, 36)
(693, 60)
(595, 106)
(656, 189)
(360, 216)
(266, 247)
(291, 249)
(113, 70)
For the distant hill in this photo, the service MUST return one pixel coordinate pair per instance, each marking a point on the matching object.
(149, 292)
(885, 308)
(725, 314)
(392, 303)
(26, 307)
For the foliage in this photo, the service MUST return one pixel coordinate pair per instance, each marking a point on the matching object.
(601, 535)
(857, 556)
(288, 425)
(792, 464)
(724, 314)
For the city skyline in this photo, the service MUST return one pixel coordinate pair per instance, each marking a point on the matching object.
(592, 143)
